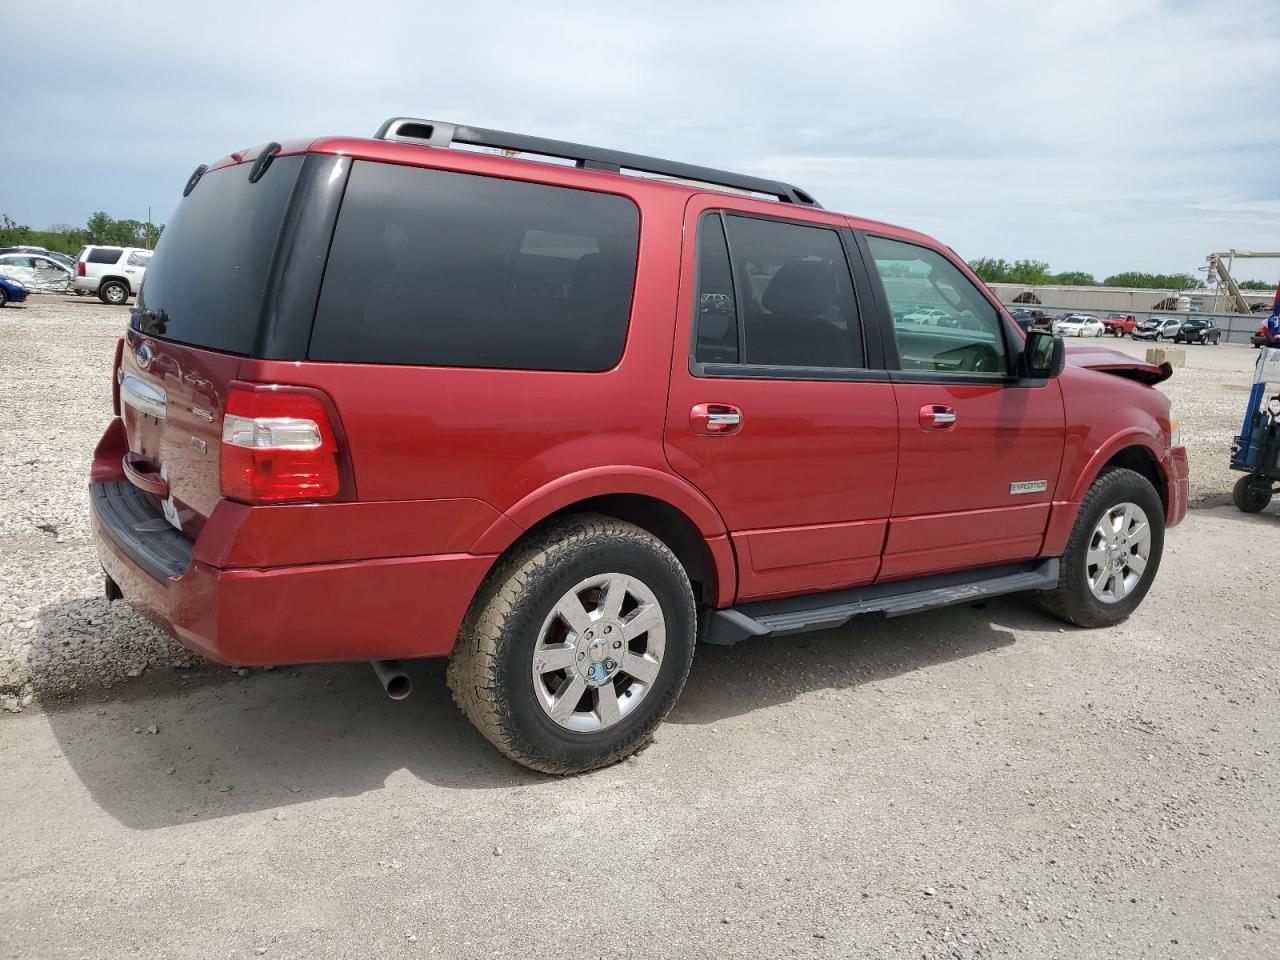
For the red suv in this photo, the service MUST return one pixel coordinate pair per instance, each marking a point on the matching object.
(387, 398)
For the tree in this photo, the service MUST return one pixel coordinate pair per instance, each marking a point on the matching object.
(990, 270)
(1152, 281)
(100, 228)
(1257, 285)
(11, 233)
(1073, 278)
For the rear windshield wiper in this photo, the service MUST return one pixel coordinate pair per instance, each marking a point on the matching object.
(150, 321)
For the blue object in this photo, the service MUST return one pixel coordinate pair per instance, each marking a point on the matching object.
(14, 291)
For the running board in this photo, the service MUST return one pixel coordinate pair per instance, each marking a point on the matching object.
(822, 611)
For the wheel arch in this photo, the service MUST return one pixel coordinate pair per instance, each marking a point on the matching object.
(669, 508)
(107, 278)
(1135, 450)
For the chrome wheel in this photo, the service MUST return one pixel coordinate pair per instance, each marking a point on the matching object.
(1118, 552)
(599, 652)
(116, 294)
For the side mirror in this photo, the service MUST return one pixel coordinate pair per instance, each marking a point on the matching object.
(1043, 356)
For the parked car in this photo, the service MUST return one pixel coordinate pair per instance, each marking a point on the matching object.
(1120, 324)
(450, 411)
(1079, 325)
(35, 271)
(1198, 331)
(927, 315)
(114, 273)
(1157, 328)
(1263, 337)
(11, 291)
(1031, 319)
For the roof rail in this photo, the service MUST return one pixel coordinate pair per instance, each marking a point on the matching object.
(433, 133)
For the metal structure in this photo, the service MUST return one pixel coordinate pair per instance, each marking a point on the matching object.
(1220, 272)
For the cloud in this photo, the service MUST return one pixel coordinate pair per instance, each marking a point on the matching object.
(1094, 135)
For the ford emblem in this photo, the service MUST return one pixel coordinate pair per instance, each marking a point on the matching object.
(144, 356)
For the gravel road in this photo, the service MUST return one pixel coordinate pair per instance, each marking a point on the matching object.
(976, 782)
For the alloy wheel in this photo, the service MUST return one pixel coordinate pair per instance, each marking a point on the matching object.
(598, 652)
(1118, 552)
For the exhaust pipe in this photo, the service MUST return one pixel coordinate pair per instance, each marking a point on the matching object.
(393, 678)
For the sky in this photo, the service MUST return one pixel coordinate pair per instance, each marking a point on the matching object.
(1096, 136)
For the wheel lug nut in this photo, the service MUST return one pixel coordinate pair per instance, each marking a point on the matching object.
(609, 664)
(617, 644)
(608, 629)
(582, 656)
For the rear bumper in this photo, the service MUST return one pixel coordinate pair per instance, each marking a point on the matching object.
(87, 284)
(371, 609)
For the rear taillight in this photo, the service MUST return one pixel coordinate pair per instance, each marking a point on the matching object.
(279, 444)
(79, 268)
(116, 376)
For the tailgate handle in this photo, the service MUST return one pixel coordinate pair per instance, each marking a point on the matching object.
(143, 475)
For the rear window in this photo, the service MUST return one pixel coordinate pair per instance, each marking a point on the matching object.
(105, 254)
(448, 269)
(206, 280)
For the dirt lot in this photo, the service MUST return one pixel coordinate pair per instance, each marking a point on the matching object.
(968, 783)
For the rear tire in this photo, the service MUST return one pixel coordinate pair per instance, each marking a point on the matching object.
(506, 672)
(4, 297)
(113, 293)
(1248, 497)
(1075, 599)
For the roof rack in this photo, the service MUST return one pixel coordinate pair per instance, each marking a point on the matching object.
(436, 134)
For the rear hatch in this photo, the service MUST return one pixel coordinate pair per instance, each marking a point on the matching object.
(199, 313)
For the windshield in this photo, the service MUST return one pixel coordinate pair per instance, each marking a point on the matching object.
(207, 279)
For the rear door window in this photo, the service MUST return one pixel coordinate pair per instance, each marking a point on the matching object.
(207, 278)
(105, 254)
(436, 268)
(774, 293)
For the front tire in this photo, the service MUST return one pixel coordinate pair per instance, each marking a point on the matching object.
(1248, 496)
(577, 646)
(113, 292)
(1113, 553)
(4, 297)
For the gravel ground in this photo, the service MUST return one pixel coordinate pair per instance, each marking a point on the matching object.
(976, 782)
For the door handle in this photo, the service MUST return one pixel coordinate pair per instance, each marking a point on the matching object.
(715, 419)
(936, 417)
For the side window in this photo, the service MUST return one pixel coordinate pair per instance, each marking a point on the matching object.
(436, 268)
(717, 316)
(139, 259)
(940, 319)
(788, 299)
(25, 262)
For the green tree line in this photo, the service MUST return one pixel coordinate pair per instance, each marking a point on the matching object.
(1037, 273)
(101, 228)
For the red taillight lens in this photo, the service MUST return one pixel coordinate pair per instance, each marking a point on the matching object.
(115, 377)
(79, 268)
(278, 445)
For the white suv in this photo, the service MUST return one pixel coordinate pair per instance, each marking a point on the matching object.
(113, 273)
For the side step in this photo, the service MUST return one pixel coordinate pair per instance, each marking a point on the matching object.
(823, 611)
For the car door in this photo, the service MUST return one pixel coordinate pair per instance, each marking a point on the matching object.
(135, 268)
(48, 274)
(19, 267)
(978, 451)
(779, 408)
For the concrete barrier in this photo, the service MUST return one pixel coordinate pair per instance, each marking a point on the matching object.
(1174, 356)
